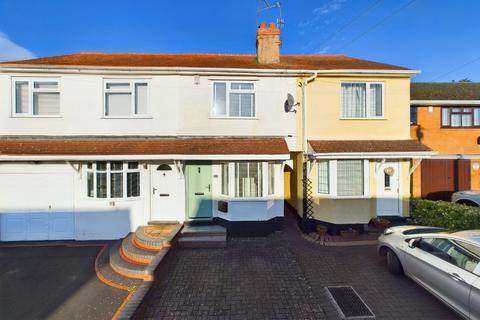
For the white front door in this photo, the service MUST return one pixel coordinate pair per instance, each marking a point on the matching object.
(388, 189)
(165, 192)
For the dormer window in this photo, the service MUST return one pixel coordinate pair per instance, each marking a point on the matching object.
(234, 99)
(36, 98)
(125, 98)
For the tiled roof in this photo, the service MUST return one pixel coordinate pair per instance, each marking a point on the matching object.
(236, 61)
(445, 91)
(360, 146)
(142, 146)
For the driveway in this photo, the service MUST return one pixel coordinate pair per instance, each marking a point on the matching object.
(281, 276)
(54, 282)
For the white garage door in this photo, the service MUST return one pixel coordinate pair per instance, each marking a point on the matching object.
(36, 206)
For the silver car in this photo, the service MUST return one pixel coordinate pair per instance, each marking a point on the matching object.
(469, 198)
(445, 264)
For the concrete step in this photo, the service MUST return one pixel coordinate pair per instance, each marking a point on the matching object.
(125, 268)
(203, 231)
(203, 241)
(135, 254)
(153, 239)
(160, 222)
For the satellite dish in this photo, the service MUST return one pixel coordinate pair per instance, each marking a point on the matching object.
(290, 103)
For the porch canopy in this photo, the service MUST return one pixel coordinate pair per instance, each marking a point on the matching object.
(368, 149)
(142, 148)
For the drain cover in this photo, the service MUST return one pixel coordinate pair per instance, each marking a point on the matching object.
(349, 303)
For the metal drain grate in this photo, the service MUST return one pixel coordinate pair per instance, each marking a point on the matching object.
(349, 303)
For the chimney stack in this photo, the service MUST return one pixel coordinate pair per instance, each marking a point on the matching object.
(268, 44)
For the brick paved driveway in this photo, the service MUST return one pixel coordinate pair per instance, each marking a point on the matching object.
(280, 277)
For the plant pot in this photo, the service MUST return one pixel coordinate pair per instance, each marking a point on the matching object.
(349, 234)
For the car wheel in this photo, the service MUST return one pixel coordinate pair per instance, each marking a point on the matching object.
(393, 263)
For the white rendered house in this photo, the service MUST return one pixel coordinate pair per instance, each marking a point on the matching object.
(94, 145)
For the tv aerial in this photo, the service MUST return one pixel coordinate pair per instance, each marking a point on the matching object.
(264, 5)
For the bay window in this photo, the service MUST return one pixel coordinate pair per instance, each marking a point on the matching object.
(460, 117)
(244, 179)
(233, 99)
(343, 178)
(124, 98)
(362, 100)
(37, 97)
(113, 180)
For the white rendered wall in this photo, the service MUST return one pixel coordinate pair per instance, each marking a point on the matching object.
(177, 106)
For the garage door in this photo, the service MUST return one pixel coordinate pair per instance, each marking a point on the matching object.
(441, 178)
(36, 206)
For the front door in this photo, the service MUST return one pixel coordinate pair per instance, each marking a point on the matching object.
(165, 186)
(388, 189)
(199, 197)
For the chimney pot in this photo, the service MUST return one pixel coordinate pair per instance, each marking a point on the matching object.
(268, 43)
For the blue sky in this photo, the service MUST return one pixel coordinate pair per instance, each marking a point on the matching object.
(435, 36)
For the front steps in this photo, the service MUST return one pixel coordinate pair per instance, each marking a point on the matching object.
(138, 255)
(203, 236)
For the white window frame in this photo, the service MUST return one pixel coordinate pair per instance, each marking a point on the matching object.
(125, 170)
(228, 84)
(31, 91)
(131, 90)
(367, 96)
(332, 181)
(232, 187)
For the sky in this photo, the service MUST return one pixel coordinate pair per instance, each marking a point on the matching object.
(438, 37)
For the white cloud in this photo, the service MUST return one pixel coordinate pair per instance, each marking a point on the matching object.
(9, 50)
(327, 8)
(320, 13)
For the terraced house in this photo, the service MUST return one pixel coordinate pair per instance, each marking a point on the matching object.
(358, 156)
(94, 145)
(446, 118)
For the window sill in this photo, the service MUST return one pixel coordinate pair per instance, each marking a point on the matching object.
(235, 199)
(326, 196)
(127, 117)
(367, 118)
(232, 118)
(116, 200)
(33, 116)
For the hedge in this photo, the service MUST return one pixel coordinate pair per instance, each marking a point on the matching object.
(443, 214)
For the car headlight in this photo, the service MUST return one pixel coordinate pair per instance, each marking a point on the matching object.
(387, 231)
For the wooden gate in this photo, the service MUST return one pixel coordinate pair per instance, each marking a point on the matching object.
(441, 178)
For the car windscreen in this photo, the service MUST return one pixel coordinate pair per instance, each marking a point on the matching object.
(424, 230)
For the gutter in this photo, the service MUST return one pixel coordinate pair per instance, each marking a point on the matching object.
(6, 158)
(375, 155)
(444, 102)
(193, 71)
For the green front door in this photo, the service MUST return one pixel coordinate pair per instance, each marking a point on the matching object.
(199, 185)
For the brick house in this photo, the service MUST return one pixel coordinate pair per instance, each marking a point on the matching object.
(446, 118)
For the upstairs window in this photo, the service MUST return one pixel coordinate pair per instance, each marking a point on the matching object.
(234, 99)
(413, 115)
(113, 180)
(36, 98)
(362, 100)
(460, 117)
(125, 98)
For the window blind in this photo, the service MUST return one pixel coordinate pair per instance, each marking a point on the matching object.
(46, 103)
(350, 178)
(21, 97)
(118, 104)
(141, 98)
(323, 177)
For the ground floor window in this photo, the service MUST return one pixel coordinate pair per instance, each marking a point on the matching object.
(115, 179)
(342, 178)
(248, 179)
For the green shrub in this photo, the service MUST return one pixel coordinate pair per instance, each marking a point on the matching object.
(443, 214)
